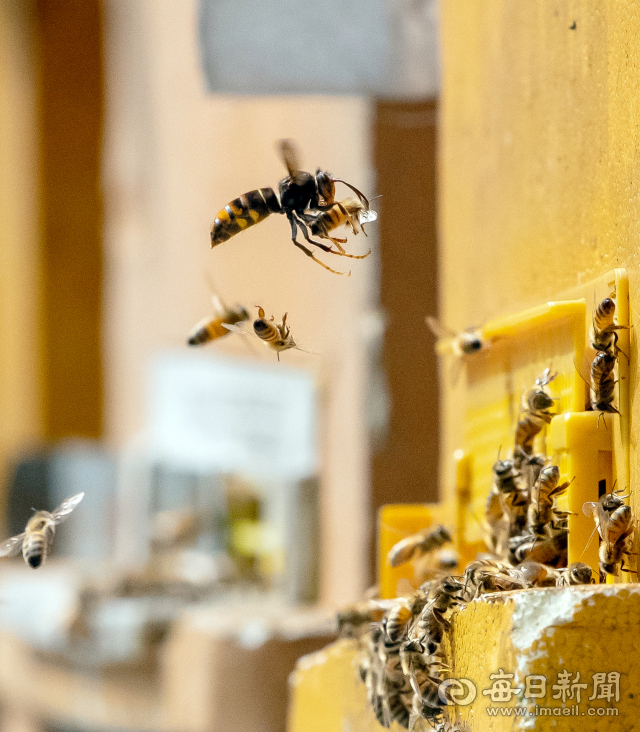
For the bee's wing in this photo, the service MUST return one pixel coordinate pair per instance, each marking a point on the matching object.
(306, 350)
(404, 550)
(590, 509)
(438, 330)
(289, 155)
(65, 508)
(12, 546)
(584, 368)
(219, 308)
(238, 329)
(367, 216)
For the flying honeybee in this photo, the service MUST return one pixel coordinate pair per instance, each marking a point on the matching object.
(467, 343)
(417, 544)
(615, 524)
(211, 328)
(36, 540)
(275, 335)
(302, 195)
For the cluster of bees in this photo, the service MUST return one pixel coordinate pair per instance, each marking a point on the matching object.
(310, 205)
(401, 659)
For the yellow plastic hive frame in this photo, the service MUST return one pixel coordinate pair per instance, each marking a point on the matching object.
(553, 335)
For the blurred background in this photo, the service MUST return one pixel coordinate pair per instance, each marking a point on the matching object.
(230, 499)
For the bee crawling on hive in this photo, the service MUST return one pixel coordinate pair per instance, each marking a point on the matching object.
(603, 335)
(302, 199)
(543, 518)
(577, 573)
(490, 575)
(358, 618)
(38, 535)
(536, 403)
(506, 508)
(603, 383)
(615, 524)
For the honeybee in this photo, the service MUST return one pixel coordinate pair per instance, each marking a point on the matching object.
(512, 500)
(489, 575)
(349, 212)
(550, 550)
(353, 620)
(541, 515)
(275, 335)
(533, 574)
(467, 343)
(603, 334)
(615, 525)
(301, 196)
(417, 544)
(603, 383)
(211, 328)
(577, 573)
(36, 540)
(535, 413)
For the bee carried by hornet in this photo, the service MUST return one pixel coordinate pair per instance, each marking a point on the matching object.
(306, 200)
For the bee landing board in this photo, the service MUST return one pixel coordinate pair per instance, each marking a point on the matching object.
(590, 448)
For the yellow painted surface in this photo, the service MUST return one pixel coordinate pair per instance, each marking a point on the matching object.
(588, 630)
(540, 172)
(546, 633)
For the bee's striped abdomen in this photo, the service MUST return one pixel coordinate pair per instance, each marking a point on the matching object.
(603, 382)
(604, 314)
(242, 212)
(34, 549)
(328, 220)
(266, 331)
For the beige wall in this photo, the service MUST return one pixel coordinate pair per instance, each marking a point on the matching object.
(174, 157)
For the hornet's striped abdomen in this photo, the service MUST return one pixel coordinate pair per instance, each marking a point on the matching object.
(242, 212)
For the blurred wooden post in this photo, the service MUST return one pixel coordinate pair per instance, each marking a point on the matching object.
(20, 386)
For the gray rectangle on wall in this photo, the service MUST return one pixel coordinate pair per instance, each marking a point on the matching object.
(387, 48)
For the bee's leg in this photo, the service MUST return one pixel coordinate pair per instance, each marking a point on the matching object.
(329, 250)
(619, 350)
(308, 252)
(339, 243)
